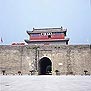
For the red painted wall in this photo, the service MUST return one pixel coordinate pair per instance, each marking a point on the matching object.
(42, 37)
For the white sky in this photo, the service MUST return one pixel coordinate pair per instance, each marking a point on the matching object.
(17, 16)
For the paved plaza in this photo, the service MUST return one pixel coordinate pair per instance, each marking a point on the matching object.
(45, 83)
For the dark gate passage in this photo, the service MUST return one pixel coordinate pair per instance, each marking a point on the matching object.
(45, 66)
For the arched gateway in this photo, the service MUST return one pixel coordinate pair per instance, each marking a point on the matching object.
(45, 66)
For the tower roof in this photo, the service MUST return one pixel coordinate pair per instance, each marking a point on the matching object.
(54, 40)
(47, 30)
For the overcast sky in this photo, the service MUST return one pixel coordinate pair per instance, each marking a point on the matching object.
(17, 16)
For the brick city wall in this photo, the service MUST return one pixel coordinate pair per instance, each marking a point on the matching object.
(65, 58)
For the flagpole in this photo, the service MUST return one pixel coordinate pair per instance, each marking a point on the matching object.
(1, 41)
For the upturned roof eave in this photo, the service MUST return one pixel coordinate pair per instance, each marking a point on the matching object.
(56, 40)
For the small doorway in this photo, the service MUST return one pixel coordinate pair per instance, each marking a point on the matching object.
(45, 66)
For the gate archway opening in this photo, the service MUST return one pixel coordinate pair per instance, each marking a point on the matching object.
(45, 66)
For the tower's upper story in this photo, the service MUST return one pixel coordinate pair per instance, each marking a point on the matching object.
(47, 36)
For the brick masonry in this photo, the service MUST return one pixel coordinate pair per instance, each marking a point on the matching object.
(73, 58)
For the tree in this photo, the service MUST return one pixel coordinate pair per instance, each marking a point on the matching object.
(57, 72)
(19, 72)
(85, 71)
(3, 71)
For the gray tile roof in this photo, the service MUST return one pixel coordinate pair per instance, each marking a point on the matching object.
(46, 40)
(47, 30)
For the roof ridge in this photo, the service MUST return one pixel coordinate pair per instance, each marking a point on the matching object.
(45, 28)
